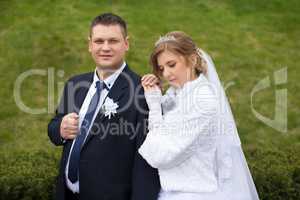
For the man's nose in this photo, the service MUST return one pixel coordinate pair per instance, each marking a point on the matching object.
(105, 46)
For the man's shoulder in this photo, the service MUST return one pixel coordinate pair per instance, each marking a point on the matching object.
(133, 75)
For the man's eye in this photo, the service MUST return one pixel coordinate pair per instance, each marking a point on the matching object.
(99, 42)
(113, 41)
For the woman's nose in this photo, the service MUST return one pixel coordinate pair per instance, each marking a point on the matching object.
(166, 73)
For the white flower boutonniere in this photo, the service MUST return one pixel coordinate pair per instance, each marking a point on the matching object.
(109, 107)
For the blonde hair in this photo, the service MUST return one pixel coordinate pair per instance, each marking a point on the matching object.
(179, 43)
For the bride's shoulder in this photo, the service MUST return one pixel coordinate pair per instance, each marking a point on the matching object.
(203, 97)
(204, 90)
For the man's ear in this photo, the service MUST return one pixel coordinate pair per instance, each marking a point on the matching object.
(89, 44)
(127, 43)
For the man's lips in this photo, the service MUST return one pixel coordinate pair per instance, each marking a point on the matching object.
(105, 56)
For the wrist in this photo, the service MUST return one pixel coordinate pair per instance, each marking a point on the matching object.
(153, 99)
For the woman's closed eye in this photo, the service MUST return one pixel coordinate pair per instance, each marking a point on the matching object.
(171, 65)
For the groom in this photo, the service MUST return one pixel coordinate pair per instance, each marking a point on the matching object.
(100, 122)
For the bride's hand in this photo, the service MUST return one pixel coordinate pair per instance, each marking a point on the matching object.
(150, 82)
(152, 90)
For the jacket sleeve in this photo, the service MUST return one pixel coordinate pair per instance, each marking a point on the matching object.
(145, 181)
(170, 142)
(54, 124)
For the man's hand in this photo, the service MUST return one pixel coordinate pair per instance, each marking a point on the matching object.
(69, 126)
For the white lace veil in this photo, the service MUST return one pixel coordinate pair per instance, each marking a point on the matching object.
(234, 177)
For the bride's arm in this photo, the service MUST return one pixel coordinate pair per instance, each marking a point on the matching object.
(170, 142)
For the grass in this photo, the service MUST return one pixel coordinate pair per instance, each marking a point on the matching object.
(248, 40)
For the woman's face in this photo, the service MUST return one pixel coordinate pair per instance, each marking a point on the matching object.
(174, 68)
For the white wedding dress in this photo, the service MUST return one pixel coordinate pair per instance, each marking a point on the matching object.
(194, 144)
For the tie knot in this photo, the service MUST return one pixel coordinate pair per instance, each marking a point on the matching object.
(100, 85)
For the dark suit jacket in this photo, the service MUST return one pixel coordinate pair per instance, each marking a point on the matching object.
(110, 166)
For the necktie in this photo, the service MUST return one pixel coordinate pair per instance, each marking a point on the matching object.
(86, 123)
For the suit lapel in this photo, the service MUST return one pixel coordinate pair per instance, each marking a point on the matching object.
(119, 87)
(118, 90)
(79, 91)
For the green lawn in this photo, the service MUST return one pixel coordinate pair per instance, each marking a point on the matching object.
(248, 40)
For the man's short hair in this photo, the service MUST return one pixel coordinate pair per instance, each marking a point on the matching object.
(109, 19)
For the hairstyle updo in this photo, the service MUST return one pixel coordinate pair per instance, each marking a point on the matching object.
(180, 43)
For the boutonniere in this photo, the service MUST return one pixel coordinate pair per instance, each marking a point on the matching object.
(109, 107)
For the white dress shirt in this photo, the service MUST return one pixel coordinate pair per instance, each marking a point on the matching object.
(109, 81)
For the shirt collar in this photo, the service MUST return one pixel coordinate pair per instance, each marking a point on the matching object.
(188, 86)
(110, 80)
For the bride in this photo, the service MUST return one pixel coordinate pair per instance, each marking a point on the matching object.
(192, 138)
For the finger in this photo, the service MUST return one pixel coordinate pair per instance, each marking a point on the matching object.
(145, 76)
(148, 81)
(71, 132)
(152, 77)
(69, 126)
(70, 137)
(71, 121)
(148, 76)
(153, 81)
(72, 128)
(145, 80)
(74, 122)
(144, 84)
(74, 115)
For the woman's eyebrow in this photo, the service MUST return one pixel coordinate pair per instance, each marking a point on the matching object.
(170, 62)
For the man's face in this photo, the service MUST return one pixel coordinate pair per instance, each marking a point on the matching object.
(108, 46)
